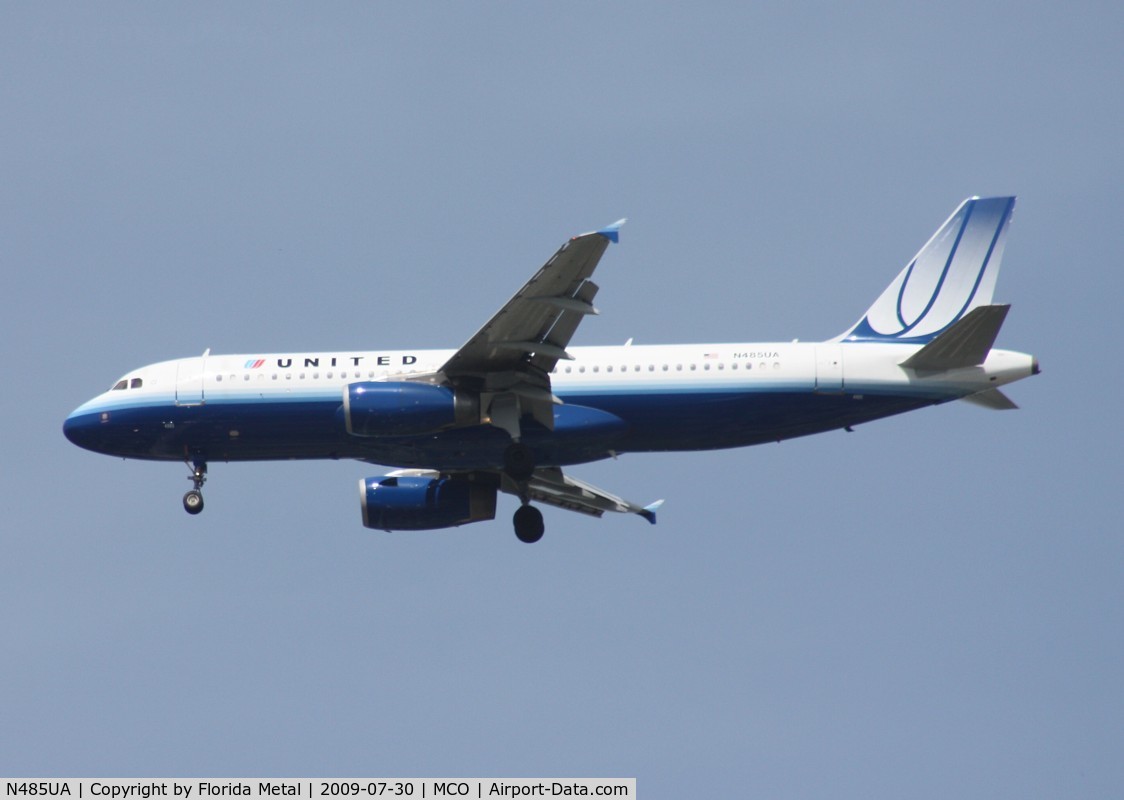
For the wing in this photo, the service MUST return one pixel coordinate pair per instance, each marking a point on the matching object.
(508, 361)
(531, 332)
(550, 485)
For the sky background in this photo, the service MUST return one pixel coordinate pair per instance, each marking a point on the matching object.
(932, 606)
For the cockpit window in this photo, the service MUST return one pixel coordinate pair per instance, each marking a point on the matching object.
(136, 383)
(120, 385)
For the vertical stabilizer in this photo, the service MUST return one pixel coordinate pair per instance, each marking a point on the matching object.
(953, 274)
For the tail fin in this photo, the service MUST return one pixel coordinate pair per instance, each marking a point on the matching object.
(954, 273)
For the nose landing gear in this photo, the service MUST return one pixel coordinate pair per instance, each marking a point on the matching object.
(193, 500)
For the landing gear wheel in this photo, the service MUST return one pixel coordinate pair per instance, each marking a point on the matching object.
(519, 461)
(193, 502)
(529, 526)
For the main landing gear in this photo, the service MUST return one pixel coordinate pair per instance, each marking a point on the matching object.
(529, 526)
(519, 464)
(193, 500)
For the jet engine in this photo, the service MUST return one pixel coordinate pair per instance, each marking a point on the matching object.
(402, 408)
(416, 502)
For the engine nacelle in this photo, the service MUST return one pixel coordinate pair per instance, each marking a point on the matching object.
(403, 408)
(422, 502)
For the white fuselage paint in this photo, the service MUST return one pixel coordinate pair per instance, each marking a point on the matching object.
(851, 368)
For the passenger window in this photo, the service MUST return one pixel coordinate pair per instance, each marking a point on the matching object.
(119, 386)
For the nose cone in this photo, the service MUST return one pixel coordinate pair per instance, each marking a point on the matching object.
(81, 427)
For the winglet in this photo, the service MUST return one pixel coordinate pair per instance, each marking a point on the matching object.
(649, 511)
(613, 232)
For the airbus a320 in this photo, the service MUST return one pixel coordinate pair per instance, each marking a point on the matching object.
(515, 406)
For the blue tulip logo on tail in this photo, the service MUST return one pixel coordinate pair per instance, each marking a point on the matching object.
(954, 273)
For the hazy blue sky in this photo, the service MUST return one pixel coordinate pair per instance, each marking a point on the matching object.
(932, 606)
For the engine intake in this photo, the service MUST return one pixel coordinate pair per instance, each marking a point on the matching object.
(403, 408)
(419, 502)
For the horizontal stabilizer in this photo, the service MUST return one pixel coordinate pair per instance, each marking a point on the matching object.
(993, 399)
(965, 344)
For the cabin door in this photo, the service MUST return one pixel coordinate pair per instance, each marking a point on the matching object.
(189, 381)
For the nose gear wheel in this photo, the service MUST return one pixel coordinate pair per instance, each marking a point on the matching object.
(193, 500)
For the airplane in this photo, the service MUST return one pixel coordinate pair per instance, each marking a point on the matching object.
(515, 405)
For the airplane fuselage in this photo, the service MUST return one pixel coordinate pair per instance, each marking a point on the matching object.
(515, 404)
(651, 398)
